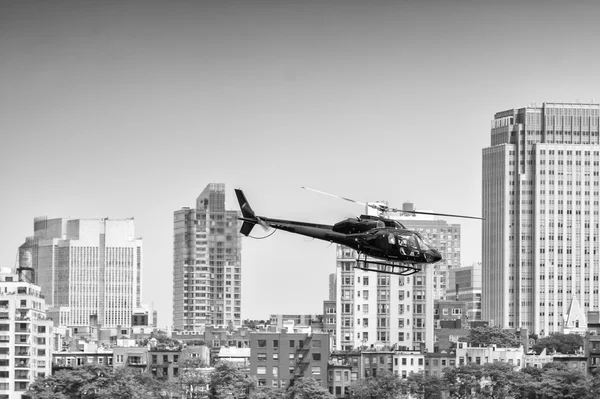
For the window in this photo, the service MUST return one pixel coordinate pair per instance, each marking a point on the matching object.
(262, 343)
(261, 370)
(316, 356)
(316, 343)
(275, 343)
(275, 371)
(275, 356)
(261, 357)
(292, 343)
(316, 370)
(365, 294)
(365, 280)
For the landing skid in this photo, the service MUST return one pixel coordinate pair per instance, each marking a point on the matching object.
(397, 268)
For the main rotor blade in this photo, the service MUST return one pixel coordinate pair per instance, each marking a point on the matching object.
(434, 214)
(336, 196)
(385, 208)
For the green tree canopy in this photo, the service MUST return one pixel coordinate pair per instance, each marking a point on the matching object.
(228, 381)
(268, 393)
(493, 336)
(383, 386)
(561, 343)
(423, 386)
(95, 382)
(308, 388)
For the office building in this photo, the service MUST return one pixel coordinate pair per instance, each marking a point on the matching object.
(88, 269)
(207, 275)
(465, 285)
(540, 204)
(25, 336)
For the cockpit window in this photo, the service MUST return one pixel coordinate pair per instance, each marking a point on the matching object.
(407, 240)
(423, 242)
(391, 239)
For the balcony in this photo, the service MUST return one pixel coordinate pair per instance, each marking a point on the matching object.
(22, 375)
(21, 363)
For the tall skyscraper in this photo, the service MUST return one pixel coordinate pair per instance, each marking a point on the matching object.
(540, 204)
(207, 274)
(86, 267)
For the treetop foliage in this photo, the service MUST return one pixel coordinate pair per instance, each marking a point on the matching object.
(561, 343)
(485, 336)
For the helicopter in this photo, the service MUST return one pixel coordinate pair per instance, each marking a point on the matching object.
(385, 245)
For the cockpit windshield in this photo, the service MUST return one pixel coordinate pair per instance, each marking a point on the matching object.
(424, 243)
(399, 225)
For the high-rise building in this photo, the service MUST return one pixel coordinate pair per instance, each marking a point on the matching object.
(88, 269)
(25, 336)
(207, 274)
(541, 209)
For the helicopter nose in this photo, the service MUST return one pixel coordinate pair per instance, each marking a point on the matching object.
(433, 256)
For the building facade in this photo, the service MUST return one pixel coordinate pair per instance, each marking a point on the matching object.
(541, 209)
(371, 308)
(207, 275)
(86, 268)
(25, 336)
(465, 285)
(277, 359)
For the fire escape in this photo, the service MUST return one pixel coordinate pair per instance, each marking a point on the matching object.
(302, 359)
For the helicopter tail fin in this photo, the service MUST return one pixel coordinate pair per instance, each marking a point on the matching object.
(248, 216)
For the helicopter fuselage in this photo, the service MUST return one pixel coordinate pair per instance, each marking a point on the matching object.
(371, 236)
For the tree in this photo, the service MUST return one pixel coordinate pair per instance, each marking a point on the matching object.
(268, 393)
(563, 384)
(499, 380)
(424, 386)
(127, 383)
(95, 381)
(462, 382)
(77, 382)
(307, 388)
(227, 380)
(561, 343)
(493, 336)
(383, 386)
(192, 381)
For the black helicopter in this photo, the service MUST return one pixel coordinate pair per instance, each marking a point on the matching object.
(395, 249)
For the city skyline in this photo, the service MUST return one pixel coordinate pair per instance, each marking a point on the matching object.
(122, 110)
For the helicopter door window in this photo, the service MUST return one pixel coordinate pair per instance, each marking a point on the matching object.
(403, 241)
(412, 242)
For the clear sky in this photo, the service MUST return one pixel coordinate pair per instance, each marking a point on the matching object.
(129, 108)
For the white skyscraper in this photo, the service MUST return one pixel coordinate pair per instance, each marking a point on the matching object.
(541, 204)
(87, 268)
